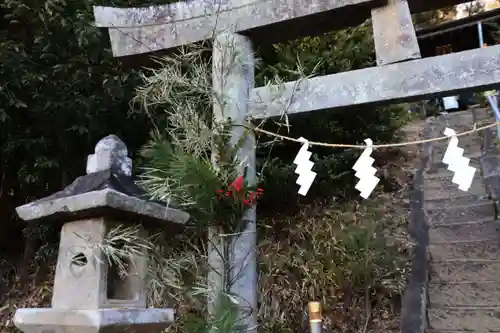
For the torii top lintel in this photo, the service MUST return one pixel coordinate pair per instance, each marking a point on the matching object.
(142, 30)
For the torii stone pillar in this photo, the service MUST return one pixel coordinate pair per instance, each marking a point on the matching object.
(89, 296)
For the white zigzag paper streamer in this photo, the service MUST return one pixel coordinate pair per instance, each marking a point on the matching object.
(365, 171)
(457, 163)
(304, 168)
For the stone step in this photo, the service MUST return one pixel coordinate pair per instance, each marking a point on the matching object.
(485, 120)
(474, 152)
(447, 184)
(453, 331)
(437, 190)
(458, 127)
(484, 249)
(466, 319)
(453, 203)
(439, 171)
(436, 164)
(465, 270)
(484, 113)
(437, 157)
(468, 212)
(465, 116)
(464, 294)
(465, 142)
(462, 140)
(470, 231)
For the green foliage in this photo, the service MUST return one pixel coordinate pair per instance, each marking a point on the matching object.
(224, 320)
(190, 181)
(338, 257)
(302, 258)
(434, 17)
(179, 160)
(60, 92)
(226, 316)
(348, 257)
(335, 52)
(474, 7)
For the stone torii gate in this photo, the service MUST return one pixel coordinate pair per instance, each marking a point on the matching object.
(401, 75)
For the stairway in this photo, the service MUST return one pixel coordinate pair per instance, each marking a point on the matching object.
(463, 290)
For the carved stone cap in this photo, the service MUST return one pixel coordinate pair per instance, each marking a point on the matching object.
(110, 153)
(107, 189)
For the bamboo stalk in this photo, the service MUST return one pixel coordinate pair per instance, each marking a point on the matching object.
(315, 317)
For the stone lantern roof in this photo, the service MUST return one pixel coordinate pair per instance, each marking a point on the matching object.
(107, 189)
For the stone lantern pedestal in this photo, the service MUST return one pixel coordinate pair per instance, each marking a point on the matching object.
(89, 295)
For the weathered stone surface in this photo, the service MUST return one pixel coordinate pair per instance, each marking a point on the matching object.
(107, 188)
(406, 81)
(97, 203)
(394, 33)
(438, 172)
(460, 121)
(490, 161)
(437, 169)
(480, 250)
(93, 291)
(233, 78)
(110, 154)
(493, 187)
(464, 294)
(153, 28)
(465, 213)
(467, 319)
(490, 165)
(182, 11)
(46, 320)
(84, 269)
(451, 203)
(449, 190)
(97, 181)
(463, 241)
(471, 150)
(470, 231)
(413, 311)
(446, 331)
(471, 146)
(81, 266)
(465, 270)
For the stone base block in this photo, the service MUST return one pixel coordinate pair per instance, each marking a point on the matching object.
(48, 320)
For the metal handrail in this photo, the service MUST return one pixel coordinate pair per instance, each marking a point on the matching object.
(493, 101)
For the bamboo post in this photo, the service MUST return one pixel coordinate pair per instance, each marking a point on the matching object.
(315, 317)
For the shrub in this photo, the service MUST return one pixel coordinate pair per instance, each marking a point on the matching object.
(346, 257)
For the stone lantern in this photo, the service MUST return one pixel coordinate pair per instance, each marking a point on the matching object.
(89, 296)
